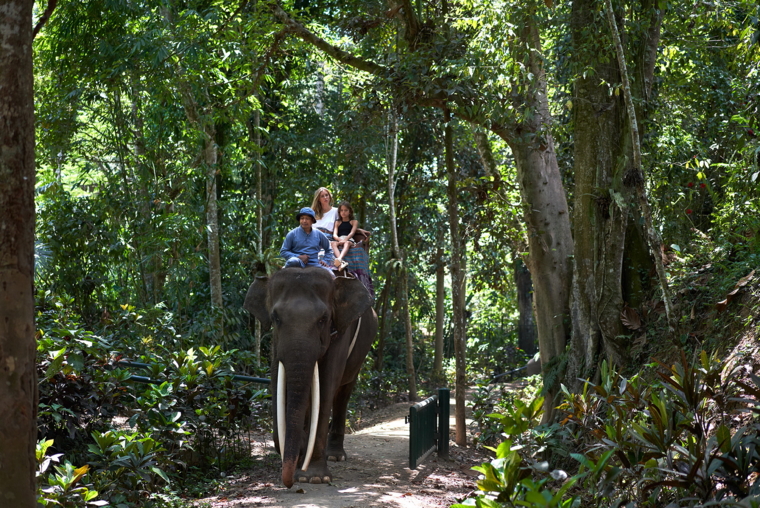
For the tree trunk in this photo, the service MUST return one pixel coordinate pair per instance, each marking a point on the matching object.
(150, 260)
(550, 244)
(458, 282)
(399, 255)
(526, 325)
(544, 202)
(260, 221)
(204, 123)
(604, 215)
(382, 315)
(18, 375)
(600, 222)
(212, 216)
(440, 311)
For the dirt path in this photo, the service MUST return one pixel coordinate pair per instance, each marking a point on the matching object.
(376, 473)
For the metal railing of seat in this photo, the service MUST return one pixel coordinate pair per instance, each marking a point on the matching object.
(145, 379)
(429, 428)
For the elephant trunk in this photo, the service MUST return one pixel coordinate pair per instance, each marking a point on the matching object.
(290, 421)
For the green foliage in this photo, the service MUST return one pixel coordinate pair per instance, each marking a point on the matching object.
(127, 465)
(193, 414)
(646, 443)
(65, 487)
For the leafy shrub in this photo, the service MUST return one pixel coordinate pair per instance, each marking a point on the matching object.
(134, 438)
(652, 444)
(65, 486)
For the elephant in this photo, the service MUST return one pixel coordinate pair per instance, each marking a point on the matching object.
(322, 329)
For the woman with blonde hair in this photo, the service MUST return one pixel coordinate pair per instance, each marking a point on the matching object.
(324, 211)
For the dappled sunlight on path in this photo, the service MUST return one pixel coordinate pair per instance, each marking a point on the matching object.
(376, 474)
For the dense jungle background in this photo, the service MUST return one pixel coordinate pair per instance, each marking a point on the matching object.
(574, 179)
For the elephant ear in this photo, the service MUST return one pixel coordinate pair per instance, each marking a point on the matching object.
(256, 301)
(350, 300)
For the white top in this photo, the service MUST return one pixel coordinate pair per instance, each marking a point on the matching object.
(328, 220)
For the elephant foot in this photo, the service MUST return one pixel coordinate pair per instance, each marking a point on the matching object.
(315, 474)
(304, 478)
(335, 450)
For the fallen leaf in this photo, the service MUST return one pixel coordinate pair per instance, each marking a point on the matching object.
(630, 318)
(744, 280)
(721, 306)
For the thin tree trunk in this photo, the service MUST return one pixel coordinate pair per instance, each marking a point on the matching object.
(212, 217)
(399, 255)
(457, 286)
(150, 262)
(260, 220)
(205, 125)
(440, 302)
(382, 314)
(18, 375)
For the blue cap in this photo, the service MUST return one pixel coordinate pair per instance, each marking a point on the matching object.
(306, 211)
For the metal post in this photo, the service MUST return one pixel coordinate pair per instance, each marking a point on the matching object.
(443, 422)
(413, 437)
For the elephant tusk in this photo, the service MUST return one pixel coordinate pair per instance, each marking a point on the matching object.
(314, 417)
(356, 334)
(281, 408)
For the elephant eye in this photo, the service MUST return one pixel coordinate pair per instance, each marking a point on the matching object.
(322, 321)
(275, 318)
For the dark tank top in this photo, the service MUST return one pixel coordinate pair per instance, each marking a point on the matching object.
(344, 228)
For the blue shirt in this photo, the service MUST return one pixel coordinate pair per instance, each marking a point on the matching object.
(299, 242)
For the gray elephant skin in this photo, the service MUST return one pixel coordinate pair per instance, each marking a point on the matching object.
(303, 306)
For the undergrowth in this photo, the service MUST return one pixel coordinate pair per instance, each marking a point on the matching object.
(689, 438)
(130, 434)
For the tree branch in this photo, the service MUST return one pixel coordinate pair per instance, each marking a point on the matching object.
(439, 100)
(411, 22)
(338, 54)
(650, 47)
(45, 17)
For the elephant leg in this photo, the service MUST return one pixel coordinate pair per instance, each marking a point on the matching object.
(335, 450)
(318, 472)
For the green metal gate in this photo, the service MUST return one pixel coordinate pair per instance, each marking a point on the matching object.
(429, 428)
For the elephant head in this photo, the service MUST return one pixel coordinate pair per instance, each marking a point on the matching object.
(304, 307)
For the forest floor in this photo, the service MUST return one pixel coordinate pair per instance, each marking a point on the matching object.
(376, 473)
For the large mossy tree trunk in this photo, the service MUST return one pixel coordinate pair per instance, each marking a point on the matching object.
(18, 375)
(606, 217)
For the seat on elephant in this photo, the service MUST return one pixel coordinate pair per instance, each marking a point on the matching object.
(357, 258)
